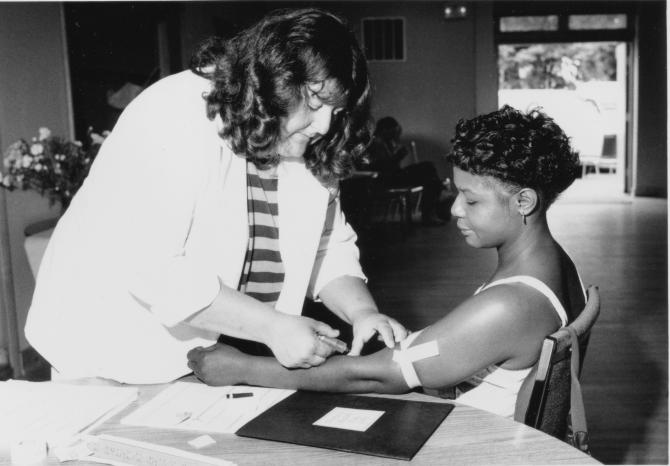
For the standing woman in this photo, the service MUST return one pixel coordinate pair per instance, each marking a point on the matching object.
(508, 167)
(212, 208)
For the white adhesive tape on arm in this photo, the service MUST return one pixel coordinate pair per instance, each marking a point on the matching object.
(407, 369)
(406, 357)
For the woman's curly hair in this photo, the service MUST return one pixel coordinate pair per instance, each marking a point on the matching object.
(519, 149)
(260, 74)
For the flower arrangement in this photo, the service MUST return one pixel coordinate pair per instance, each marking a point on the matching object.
(50, 165)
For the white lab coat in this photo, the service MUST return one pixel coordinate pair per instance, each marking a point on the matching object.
(159, 221)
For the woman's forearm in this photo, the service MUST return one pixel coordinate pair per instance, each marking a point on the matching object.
(235, 314)
(238, 315)
(349, 298)
(348, 374)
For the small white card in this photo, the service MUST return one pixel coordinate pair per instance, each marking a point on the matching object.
(349, 419)
(201, 442)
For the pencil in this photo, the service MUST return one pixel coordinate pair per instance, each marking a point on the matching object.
(239, 395)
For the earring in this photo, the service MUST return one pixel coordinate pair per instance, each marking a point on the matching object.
(523, 214)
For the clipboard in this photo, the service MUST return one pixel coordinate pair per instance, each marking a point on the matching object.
(399, 432)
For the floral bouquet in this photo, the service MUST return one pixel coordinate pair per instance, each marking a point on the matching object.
(50, 165)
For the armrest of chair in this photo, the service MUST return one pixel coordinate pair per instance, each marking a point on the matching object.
(405, 190)
(364, 174)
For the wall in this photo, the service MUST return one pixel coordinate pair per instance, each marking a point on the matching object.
(451, 71)
(104, 57)
(436, 85)
(33, 93)
(652, 149)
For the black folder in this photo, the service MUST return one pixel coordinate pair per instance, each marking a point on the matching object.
(399, 433)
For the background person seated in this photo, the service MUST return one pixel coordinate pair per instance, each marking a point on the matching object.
(385, 155)
(508, 168)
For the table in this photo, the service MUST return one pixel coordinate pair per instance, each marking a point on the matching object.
(467, 436)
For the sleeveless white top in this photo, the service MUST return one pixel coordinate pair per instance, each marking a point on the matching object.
(496, 389)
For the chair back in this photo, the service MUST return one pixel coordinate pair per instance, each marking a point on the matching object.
(544, 398)
(415, 154)
(609, 146)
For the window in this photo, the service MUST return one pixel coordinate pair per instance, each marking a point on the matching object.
(532, 22)
(597, 22)
(528, 23)
(384, 39)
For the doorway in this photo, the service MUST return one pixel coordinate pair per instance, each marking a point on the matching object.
(582, 85)
(573, 61)
(110, 64)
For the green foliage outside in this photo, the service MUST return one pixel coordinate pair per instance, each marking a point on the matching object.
(555, 66)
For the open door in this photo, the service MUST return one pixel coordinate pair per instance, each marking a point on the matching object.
(575, 67)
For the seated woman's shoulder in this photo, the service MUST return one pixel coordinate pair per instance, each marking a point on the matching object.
(512, 308)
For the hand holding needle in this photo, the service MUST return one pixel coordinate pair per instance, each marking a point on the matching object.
(335, 343)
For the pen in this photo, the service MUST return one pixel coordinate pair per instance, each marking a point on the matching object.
(183, 417)
(239, 395)
(339, 345)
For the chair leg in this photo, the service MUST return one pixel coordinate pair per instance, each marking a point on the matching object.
(407, 209)
(389, 210)
(417, 208)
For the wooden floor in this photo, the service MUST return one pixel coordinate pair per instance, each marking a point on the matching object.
(618, 244)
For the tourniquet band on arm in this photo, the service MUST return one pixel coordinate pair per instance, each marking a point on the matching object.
(406, 356)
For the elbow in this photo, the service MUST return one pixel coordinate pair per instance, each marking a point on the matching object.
(390, 386)
(382, 380)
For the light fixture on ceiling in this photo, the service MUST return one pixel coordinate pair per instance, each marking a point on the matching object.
(456, 11)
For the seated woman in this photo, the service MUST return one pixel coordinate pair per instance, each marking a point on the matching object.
(508, 167)
(385, 155)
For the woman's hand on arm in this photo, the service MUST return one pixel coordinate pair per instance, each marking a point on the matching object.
(366, 325)
(293, 339)
(295, 342)
(349, 298)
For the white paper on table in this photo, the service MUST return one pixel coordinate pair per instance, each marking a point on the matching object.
(349, 418)
(56, 412)
(199, 407)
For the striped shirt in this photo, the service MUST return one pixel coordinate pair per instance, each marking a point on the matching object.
(263, 273)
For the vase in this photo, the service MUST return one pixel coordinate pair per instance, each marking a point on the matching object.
(64, 203)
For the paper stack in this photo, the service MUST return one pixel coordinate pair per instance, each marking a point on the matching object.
(199, 407)
(55, 412)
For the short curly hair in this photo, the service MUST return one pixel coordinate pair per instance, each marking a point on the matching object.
(261, 73)
(519, 149)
